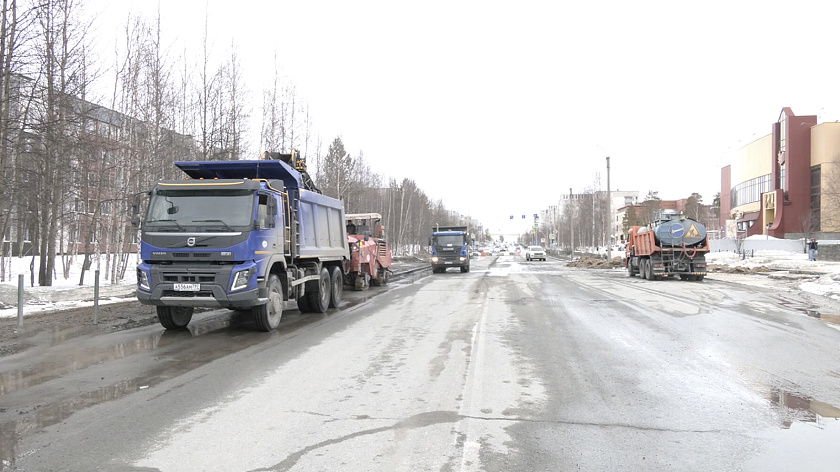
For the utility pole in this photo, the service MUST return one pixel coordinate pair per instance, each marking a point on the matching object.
(608, 227)
(572, 226)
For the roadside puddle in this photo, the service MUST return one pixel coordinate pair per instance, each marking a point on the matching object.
(807, 439)
(832, 318)
(796, 408)
(827, 317)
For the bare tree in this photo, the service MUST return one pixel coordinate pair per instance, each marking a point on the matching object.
(694, 207)
(62, 65)
(651, 206)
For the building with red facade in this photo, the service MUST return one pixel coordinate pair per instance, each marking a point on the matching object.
(785, 184)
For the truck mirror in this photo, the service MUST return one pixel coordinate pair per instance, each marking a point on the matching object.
(272, 207)
(172, 210)
(135, 222)
(135, 205)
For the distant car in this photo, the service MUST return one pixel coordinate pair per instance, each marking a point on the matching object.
(534, 253)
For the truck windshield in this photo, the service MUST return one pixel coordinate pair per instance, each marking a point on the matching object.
(175, 209)
(448, 239)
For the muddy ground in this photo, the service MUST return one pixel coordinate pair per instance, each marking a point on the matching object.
(130, 313)
(114, 316)
(598, 263)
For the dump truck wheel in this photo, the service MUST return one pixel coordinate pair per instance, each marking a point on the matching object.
(267, 316)
(465, 269)
(318, 294)
(630, 269)
(303, 304)
(336, 286)
(174, 317)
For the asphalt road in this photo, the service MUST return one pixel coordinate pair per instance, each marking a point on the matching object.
(513, 366)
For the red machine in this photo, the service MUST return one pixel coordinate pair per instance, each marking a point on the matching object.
(370, 256)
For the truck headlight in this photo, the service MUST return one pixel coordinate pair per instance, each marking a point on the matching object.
(463, 259)
(143, 280)
(240, 280)
(434, 258)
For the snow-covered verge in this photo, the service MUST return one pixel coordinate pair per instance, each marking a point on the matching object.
(817, 277)
(64, 292)
(67, 293)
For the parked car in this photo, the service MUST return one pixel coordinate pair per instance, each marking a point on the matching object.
(534, 253)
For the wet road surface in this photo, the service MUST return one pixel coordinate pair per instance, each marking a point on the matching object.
(514, 366)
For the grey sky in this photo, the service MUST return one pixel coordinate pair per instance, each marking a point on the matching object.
(498, 108)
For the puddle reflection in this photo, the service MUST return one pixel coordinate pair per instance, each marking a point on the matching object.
(801, 409)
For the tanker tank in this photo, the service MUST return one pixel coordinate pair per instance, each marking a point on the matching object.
(679, 230)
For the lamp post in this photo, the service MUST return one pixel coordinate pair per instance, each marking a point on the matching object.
(608, 228)
(571, 227)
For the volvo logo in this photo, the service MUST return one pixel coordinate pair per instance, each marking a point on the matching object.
(190, 242)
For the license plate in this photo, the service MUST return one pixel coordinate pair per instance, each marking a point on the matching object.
(187, 287)
(448, 262)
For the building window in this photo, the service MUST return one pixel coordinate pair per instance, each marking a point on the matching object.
(783, 185)
(815, 219)
(750, 191)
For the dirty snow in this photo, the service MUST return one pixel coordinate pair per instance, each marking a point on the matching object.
(819, 277)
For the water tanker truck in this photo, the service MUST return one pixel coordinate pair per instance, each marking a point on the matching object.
(672, 245)
(245, 235)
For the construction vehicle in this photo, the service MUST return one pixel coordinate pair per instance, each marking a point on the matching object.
(244, 235)
(449, 247)
(370, 256)
(672, 245)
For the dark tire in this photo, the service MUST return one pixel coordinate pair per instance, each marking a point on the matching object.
(684, 277)
(303, 304)
(336, 286)
(267, 317)
(318, 292)
(642, 271)
(361, 281)
(378, 280)
(649, 270)
(384, 276)
(630, 271)
(465, 268)
(699, 278)
(174, 317)
(528, 258)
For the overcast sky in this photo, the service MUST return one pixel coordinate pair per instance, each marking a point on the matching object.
(499, 108)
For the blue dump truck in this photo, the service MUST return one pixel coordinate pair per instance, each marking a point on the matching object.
(449, 247)
(245, 235)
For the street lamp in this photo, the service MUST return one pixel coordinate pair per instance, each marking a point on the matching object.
(608, 228)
